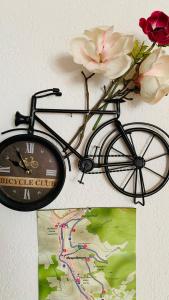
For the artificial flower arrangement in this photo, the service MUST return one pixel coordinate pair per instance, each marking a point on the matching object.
(132, 67)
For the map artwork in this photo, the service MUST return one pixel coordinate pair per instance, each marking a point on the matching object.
(87, 254)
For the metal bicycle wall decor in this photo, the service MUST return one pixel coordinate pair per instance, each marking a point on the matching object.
(134, 157)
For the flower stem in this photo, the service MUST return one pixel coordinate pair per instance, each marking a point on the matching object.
(86, 78)
(88, 117)
(109, 92)
(152, 46)
(100, 117)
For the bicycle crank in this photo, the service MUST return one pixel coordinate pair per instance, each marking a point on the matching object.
(85, 166)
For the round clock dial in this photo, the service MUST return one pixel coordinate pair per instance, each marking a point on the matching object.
(32, 172)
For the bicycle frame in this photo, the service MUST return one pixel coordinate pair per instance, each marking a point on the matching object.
(34, 118)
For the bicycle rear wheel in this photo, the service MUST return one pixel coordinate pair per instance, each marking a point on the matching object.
(144, 174)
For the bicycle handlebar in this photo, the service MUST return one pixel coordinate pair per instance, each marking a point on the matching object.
(21, 119)
(46, 93)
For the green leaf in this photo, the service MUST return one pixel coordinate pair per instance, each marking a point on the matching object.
(136, 49)
(140, 50)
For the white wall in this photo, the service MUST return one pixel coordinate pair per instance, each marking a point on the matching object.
(34, 40)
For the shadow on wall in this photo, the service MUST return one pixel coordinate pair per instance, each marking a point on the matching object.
(66, 65)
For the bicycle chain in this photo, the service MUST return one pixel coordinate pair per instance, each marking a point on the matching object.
(116, 155)
(110, 171)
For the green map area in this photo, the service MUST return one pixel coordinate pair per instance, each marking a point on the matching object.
(87, 254)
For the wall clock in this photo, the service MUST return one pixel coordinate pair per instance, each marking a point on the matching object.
(32, 172)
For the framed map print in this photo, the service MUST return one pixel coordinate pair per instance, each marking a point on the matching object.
(87, 254)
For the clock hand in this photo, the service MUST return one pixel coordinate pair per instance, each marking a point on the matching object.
(16, 164)
(20, 157)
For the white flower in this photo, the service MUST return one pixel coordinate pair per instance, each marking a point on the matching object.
(154, 76)
(101, 50)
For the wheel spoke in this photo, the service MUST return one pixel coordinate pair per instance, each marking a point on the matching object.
(155, 157)
(127, 182)
(154, 172)
(148, 145)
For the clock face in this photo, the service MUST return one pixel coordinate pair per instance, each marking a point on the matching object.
(31, 172)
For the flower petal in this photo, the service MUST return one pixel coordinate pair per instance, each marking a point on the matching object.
(102, 38)
(95, 67)
(93, 33)
(110, 42)
(163, 91)
(160, 68)
(159, 95)
(150, 60)
(118, 66)
(161, 36)
(158, 19)
(123, 45)
(143, 24)
(83, 51)
(149, 87)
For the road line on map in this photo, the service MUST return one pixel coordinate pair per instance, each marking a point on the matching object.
(78, 220)
(61, 254)
(94, 277)
(75, 246)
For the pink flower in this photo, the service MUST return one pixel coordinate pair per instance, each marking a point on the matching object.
(101, 50)
(156, 27)
(153, 77)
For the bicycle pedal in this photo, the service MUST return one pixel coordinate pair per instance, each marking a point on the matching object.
(80, 181)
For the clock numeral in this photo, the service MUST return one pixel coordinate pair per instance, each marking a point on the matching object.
(51, 173)
(5, 169)
(27, 194)
(30, 148)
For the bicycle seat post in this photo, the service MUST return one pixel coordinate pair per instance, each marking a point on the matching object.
(118, 108)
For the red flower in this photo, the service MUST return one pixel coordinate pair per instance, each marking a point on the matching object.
(156, 27)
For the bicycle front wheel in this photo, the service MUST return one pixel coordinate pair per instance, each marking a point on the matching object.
(143, 175)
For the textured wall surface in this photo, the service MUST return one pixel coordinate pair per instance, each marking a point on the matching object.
(34, 45)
